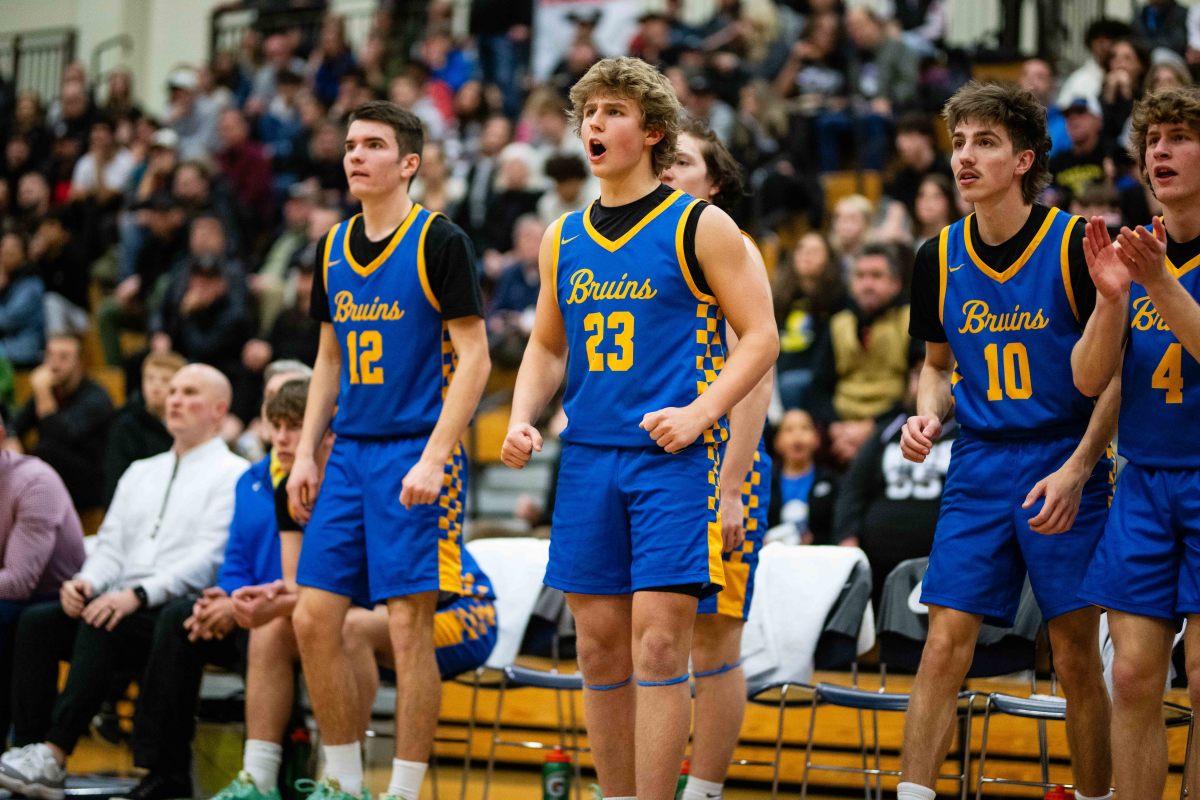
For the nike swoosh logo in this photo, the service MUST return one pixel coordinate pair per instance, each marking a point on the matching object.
(955, 269)
(335, 261)
(568, 241)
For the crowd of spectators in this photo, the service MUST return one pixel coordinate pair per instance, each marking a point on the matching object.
(196, 230)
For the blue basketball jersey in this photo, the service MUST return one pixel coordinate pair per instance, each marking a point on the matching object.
(1160, 385)
(640, 335)
(1011, 333)
(397, 359)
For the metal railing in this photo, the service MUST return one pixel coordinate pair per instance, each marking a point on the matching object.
(1019, 28)
(227, 26)
(33, 61)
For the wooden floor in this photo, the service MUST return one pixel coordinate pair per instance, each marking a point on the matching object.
(531, 715)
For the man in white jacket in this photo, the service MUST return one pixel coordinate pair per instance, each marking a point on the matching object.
(163, 537)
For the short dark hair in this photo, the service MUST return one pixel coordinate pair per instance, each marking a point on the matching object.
(916, 122)
(889, 251)
(288, 403)
(565, 167)
(1105, 28)
(722, 167)
(1018, 112)
(410, 136)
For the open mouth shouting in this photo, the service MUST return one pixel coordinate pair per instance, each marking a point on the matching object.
(596, 149)
(1163, 174)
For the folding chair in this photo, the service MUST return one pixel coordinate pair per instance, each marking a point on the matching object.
(902, 633)
(848, 630)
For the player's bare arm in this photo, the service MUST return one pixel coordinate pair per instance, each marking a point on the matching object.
(746, 421)
(1063, 489)
(934, 403)
(305, 478)
(745, 299)
(1146, 257)
(1098, 353)
(468, 335)
(543, 365)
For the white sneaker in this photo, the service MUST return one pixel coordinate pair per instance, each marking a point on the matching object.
(33, 772)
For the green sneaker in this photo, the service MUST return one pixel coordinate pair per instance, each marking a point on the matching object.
(243, 788)
(328, 789)
(393, 797)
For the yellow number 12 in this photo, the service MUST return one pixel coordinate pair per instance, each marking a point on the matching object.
(365, 349)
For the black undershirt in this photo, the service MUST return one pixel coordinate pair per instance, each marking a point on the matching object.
(1182, 252)
(923, 321)
(613, 222)
(449, 264)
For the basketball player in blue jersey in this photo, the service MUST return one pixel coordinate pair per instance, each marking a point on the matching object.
(704, 168)
(403, 357)
(1001, 297)
(1146, 571)
(638, 335)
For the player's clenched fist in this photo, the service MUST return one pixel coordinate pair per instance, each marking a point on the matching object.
(519, 445)
(423, 483)
(918, 436)
(673, 429)
(302, 487)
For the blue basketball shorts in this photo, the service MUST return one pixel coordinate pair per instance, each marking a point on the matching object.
(633, 518)
(1148, 561)
(741, 564)
(361, 542)
(983, 546)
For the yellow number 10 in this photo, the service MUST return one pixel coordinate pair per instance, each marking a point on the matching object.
(1017, 385)
(619, 321)
(365, 349)
(1169, 374)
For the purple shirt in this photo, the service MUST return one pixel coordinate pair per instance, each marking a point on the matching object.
(41, 540)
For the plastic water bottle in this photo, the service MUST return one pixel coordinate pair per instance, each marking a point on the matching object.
(556, 775)
(681, 784)
(1057, 793)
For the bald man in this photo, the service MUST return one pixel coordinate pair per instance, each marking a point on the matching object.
(162, 539)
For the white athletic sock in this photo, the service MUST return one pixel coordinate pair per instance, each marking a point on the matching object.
(1081, 796)
(261, 762)
(343, 762)
(699, 789)
(914, 791)
(407, 777)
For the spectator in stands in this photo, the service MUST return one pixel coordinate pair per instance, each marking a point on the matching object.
(71, 414)
(324, 162)
(153, 175)
(510, 316)
(502, 32)
(71, 118)
(480, 178)
(1124, 75)
(1167, 71)
(916, 156)
(1162, 23)
(102, 173)
(850, 229)
(29, 124)
(802, 491)
(194, 631)
(807, 293)
(569, 176)
(434, 187)
(863, 369)
(886, 504)
(18, 162)
(1088, 79)
(138, 430)
(267, 286)
(161, 539)
(1100, 200)
(883, 78)
(22, 317)
(278, 56)
(191, 116)
(937, 207)
(57, 255)
(119, 102)
(408, 90)
(41, 545)
(330, 59)
(450, 65)
(704, 104)
(1037, 77)
(199, 192)
(514, 196)
(33, 201)
(1084, 162)
(281, 127)
(246, 168)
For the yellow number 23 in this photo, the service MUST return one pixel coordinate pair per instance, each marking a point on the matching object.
(622, 323)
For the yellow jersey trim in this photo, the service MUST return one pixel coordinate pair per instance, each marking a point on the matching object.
(943, 273)
(422, 272)
(329, 237)
(683, 267)
(1066, 266)
(1009, 273)
(387, 251)
(557, 227)
(609, 244)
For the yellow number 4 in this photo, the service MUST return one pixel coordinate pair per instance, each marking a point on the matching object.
(366, 348)
(622, 323)
(1169, 374)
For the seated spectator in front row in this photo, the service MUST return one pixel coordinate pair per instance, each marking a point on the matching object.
(802, 491)
(137, 430)
(71, 414)
(192, 632)
(22, 320)
(161, 539)
(41, 545)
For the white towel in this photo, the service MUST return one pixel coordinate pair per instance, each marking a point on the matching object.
(516, 567)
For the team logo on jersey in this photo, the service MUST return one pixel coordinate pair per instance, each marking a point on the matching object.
(584, 287)
(346, 310)
(1146, 316)
(979, 318)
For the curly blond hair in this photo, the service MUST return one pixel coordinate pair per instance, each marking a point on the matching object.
(637, 81)
(1179, 104)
